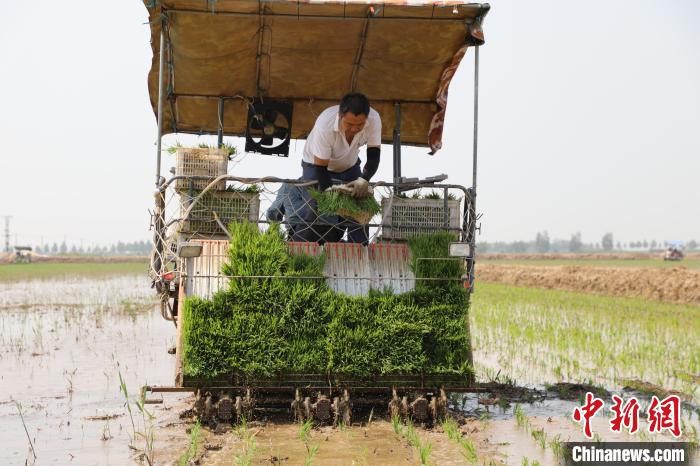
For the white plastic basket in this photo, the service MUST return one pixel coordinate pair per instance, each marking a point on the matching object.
(403, 218)
(197, 161)
(230, 206)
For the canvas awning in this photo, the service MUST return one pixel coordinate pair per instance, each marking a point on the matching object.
(310, 53)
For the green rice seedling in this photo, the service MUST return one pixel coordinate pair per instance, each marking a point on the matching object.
(520, 417)
(311, 451)
(195, 439)
(249, 188)
(305, 436)
(424, 450)
(439, 195)
(172, 149)
(450, 427)
(125, 392)
(362, 456)
(468, 450)
(245, 457)
(540, 437)
(305, 429)
(411, 435)
(557, 446)
(335, 202)
(147, 417)
(148, 434)
(396, 424)
(230, 148)
(271, 323)
(342, 426)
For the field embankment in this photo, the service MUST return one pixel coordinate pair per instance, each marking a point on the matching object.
(6, 258)
(672, 284)
(597, 256)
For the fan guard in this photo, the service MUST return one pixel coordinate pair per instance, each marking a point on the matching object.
(269, 128)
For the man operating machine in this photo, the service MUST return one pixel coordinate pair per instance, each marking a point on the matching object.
(331, 158)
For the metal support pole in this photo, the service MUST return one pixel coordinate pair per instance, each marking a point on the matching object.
(472, 207)
(397, 143)
(476, 115)
(220, 134)
(159, 213)
(161, 66)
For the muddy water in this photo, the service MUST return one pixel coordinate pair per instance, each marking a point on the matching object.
(63, 344)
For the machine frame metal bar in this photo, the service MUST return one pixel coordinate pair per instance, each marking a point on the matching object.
(397, 143)
(220, 133)
(324, 17)
(161, 66)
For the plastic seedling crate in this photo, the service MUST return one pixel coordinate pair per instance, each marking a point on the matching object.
(230, 206)
(209, 162)
(403, 218)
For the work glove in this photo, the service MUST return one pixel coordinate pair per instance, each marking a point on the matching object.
(342, 188)
(360, 188)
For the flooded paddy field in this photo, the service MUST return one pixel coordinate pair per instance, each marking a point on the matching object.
(63, 343)
(71, 346)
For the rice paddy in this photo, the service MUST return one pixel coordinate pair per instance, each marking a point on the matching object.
(70, 338)
(546, 336)
(39, 270)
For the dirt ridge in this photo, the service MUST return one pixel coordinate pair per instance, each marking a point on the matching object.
(673, 285)
(579, 255)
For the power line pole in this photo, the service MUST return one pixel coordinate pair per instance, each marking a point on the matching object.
(7, 232)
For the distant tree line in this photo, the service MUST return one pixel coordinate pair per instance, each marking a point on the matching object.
(543, 243)
(133, 248)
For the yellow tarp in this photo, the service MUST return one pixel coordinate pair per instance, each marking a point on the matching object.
(308, 53)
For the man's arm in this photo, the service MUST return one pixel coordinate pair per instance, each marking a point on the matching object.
(372, 163)
(276, 211)
(374, 144)
(324, 178)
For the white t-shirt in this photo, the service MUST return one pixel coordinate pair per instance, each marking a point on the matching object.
(327, 142)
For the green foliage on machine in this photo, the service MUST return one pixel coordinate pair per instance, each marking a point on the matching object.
(229, 148)
(278, 316)
(336, 202)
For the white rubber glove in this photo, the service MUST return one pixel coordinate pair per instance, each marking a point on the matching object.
(343, 188)
(361, 188)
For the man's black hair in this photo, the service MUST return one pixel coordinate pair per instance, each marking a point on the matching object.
(355, 103)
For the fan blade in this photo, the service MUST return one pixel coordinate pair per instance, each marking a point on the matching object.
(257, 121)
(256, 133)
(281, 120)
(281, 133)
(266, 141)
(270, 115)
